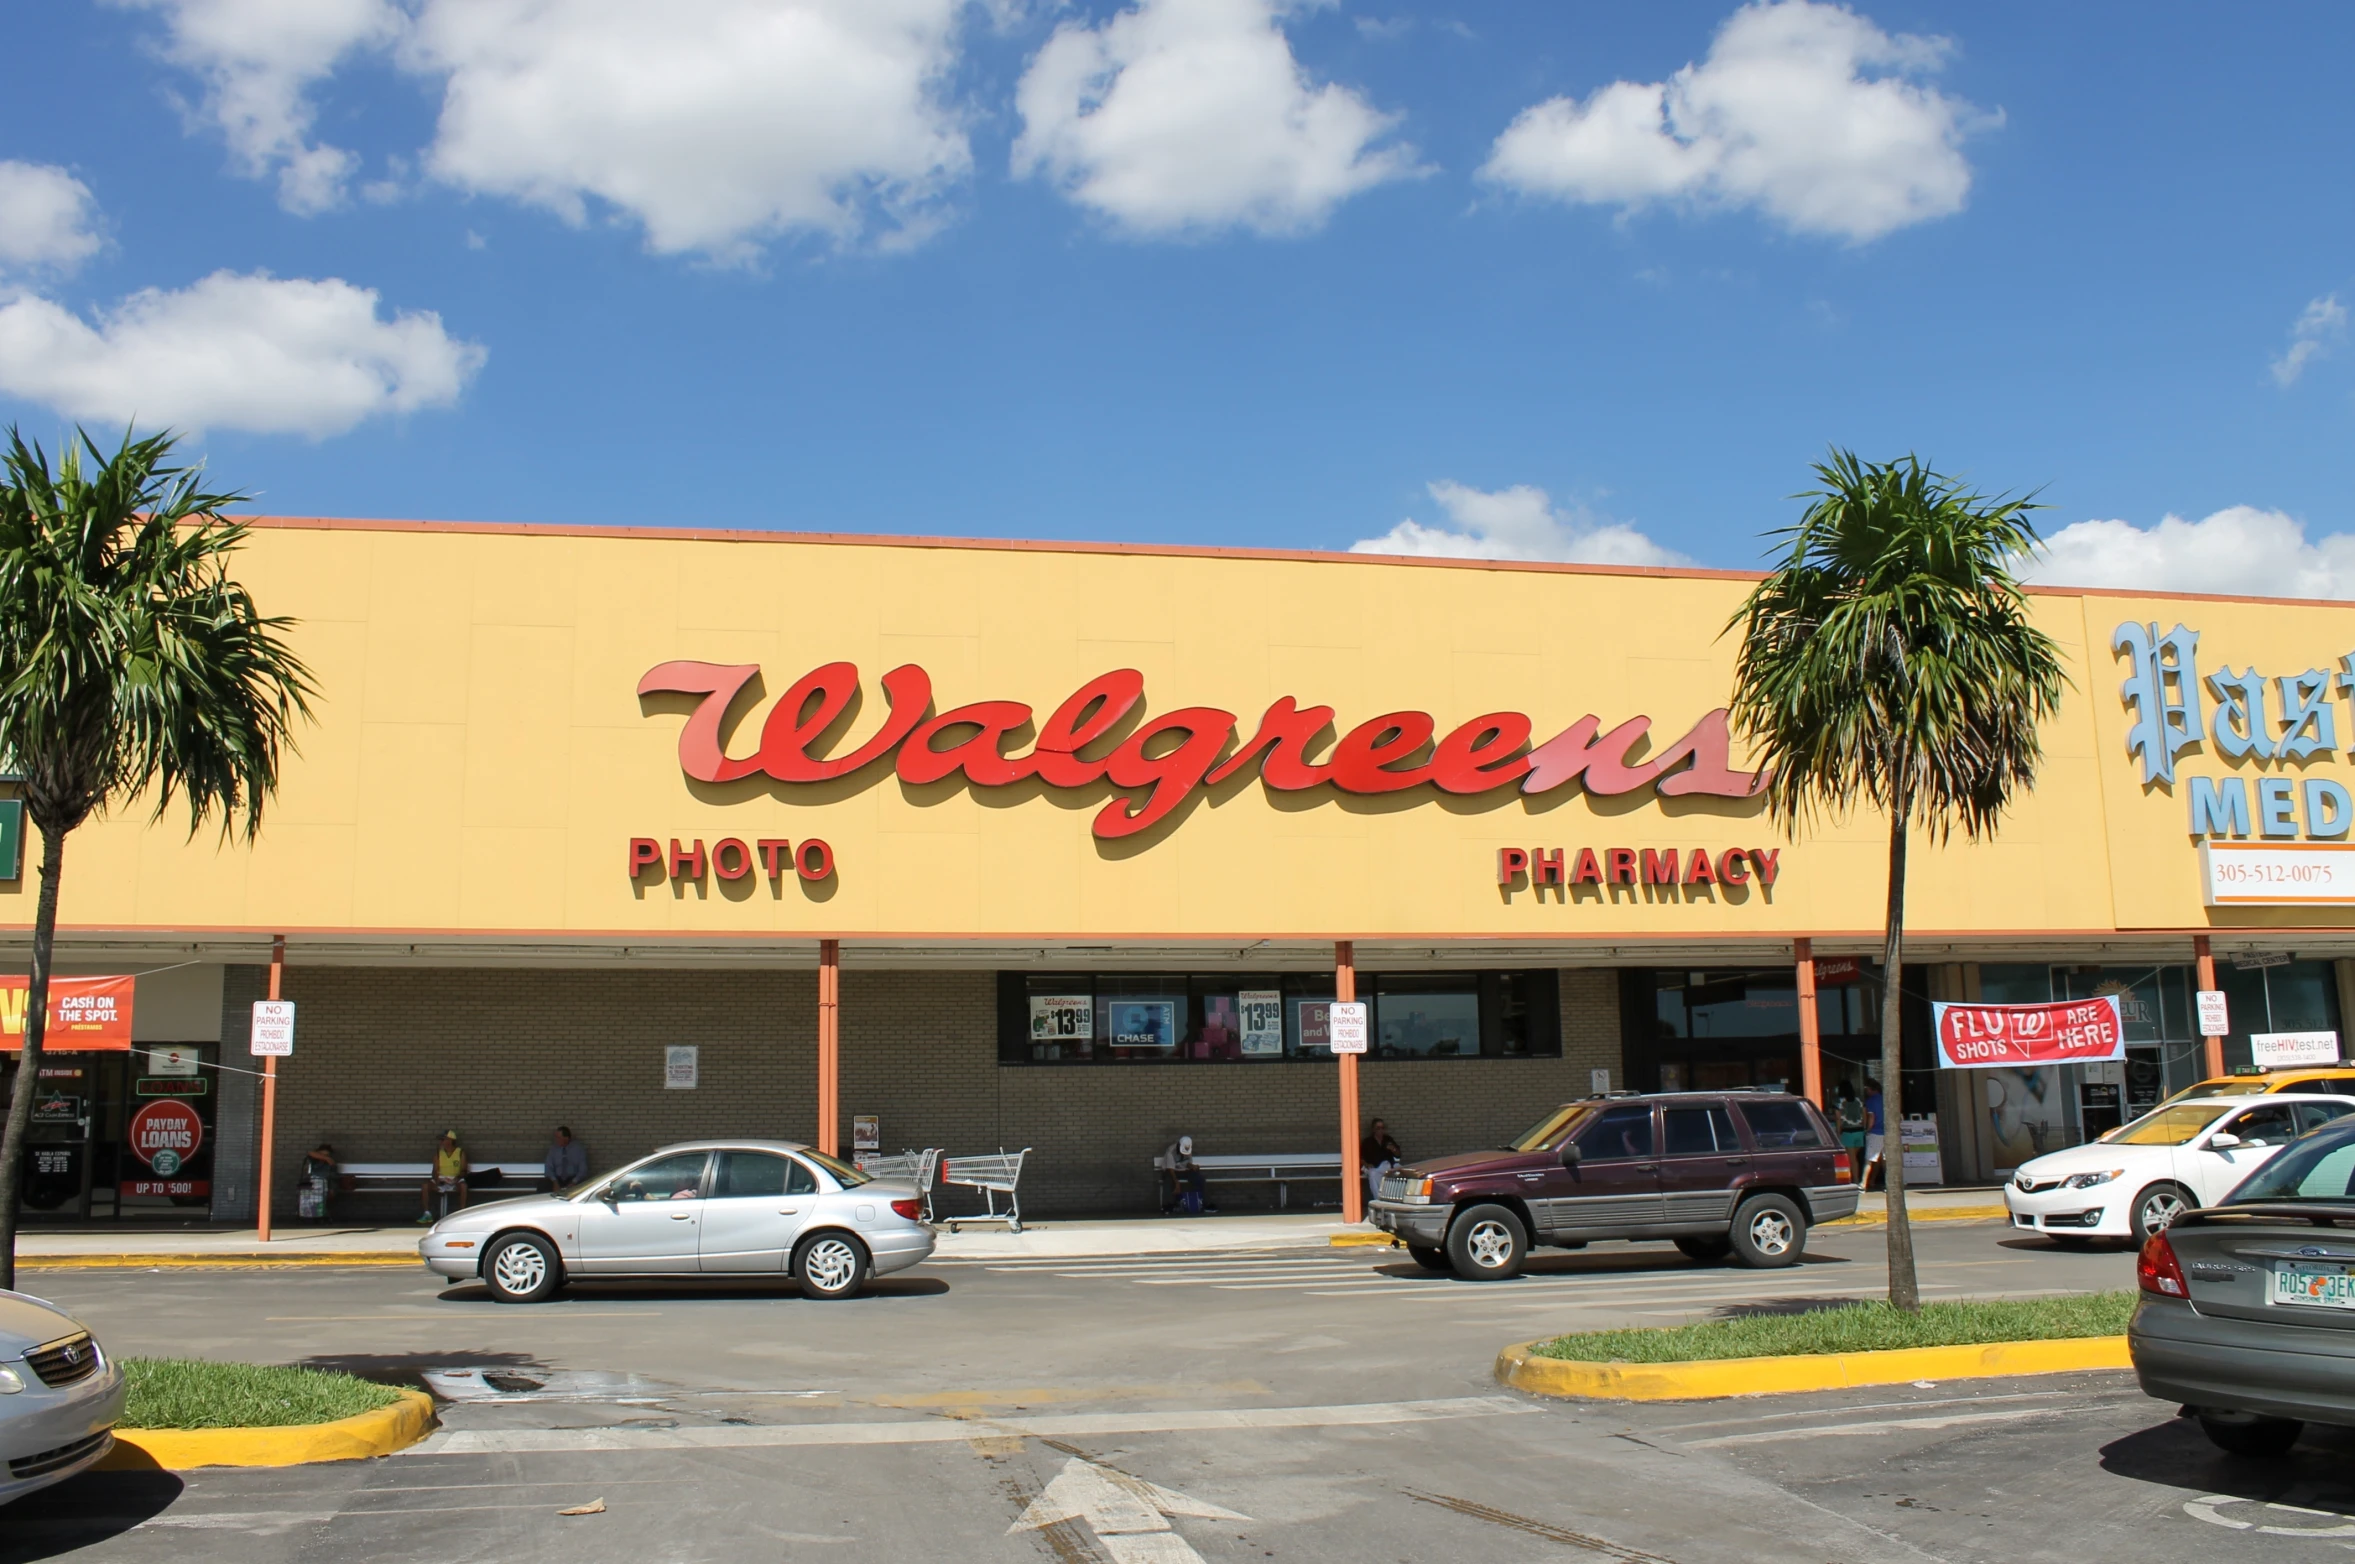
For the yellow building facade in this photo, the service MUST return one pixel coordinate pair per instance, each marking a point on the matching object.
(1008, 774)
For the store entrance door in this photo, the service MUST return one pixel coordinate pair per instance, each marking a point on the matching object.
(66, 1146)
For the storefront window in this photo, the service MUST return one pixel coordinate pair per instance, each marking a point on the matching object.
(1719, 1029)
(1202, 1018)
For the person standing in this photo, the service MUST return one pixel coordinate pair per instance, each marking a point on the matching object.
(320, 1181)
(1378, 1154)
(1848, 1114)
(567, 1162)
(1873, 1135)
(449, 1175)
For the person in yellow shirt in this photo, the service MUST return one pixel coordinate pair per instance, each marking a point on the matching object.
(449, 1176)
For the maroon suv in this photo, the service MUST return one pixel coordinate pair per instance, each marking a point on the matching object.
(1720, 1173)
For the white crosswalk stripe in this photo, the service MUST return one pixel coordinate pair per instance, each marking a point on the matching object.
(1390, 1277)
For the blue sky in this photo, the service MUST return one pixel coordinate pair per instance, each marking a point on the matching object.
(1207, 271)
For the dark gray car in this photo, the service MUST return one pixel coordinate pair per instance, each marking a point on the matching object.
(2247, 1314)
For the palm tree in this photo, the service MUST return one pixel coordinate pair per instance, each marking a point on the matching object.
(130, 664)
(1890, 661)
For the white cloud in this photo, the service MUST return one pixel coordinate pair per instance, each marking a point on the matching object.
(48, 218)
(258, 60)
(1781, 116)
(2240, 550)
(1192, 116)
(1517, 523)
(2321, 327)
(257, 353)
(715, 123)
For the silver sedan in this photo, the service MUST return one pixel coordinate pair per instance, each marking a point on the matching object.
(60, 1396)
(702, 1208)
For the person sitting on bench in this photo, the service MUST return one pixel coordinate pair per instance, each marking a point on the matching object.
(1185, 1178)
(449, 1177)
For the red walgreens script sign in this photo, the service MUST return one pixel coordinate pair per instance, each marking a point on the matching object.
(86, 1014)
(1157, 762)
(1979, 1037)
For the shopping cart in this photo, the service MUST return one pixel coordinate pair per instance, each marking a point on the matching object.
(993, 1176)
(912, 1167)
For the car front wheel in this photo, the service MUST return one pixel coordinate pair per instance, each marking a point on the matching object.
(1769, 1231)
(831, 1265)
(2156, 1209)
(1706, 1250)
(522, 1268)
(1427, 1257)
(1487, 1244)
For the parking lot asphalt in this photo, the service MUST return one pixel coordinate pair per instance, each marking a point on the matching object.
(1308, 1404)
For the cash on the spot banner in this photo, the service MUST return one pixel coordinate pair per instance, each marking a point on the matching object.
(86, 1014)
(1985, 1037)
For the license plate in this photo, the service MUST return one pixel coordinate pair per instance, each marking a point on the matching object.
(2314, 1286)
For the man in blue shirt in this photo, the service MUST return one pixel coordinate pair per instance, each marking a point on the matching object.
(567, 1163)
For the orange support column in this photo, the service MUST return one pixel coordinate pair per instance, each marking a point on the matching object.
(1810, 1025)
(270, 1097)
(2206, 957)
(830, 1047)
(1353, 1178)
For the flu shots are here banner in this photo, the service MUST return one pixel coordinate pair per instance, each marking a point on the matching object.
(86, 1014)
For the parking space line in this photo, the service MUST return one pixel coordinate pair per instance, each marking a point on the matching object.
(1855, 1430)
(1876, 1406)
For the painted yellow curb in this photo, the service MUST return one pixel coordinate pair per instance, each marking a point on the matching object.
(380, 1432)
(1517, 1367)
(1362, 1241)
(242, 1259)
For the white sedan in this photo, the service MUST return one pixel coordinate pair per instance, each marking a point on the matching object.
(59, 1396)
(2175, 1157)
(727, 1207)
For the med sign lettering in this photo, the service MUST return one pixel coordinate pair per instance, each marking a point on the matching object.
(1984, 1037)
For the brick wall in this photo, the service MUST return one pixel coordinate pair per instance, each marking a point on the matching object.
(389, 1057)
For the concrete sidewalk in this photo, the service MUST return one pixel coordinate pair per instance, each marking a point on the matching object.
(395, 1245)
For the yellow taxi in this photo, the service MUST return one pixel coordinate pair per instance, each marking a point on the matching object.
(2338, 1077)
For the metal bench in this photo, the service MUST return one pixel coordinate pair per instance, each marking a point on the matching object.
(1282, 1169)
(369, 1178)
(993, 1176)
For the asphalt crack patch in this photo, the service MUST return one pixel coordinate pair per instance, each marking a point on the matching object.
(1536, 1528)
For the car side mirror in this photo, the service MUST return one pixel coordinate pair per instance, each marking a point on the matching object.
(1571, 1155)
(2223, 1142)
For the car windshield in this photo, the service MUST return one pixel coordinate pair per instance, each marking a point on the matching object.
(2171, 1126)
(2321, 1167)
(844, 1174)
(2238, 1086)
(1549, 1129)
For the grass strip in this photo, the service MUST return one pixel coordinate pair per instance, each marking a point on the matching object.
(1853, 1327)
(188, 1393)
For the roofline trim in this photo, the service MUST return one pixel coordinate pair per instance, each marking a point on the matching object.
(1144, 550)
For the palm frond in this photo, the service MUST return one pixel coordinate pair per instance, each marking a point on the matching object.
(1891, 660)
(130, 659)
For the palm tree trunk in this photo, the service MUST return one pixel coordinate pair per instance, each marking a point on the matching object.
(1905, 1290)
(28, 1065)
